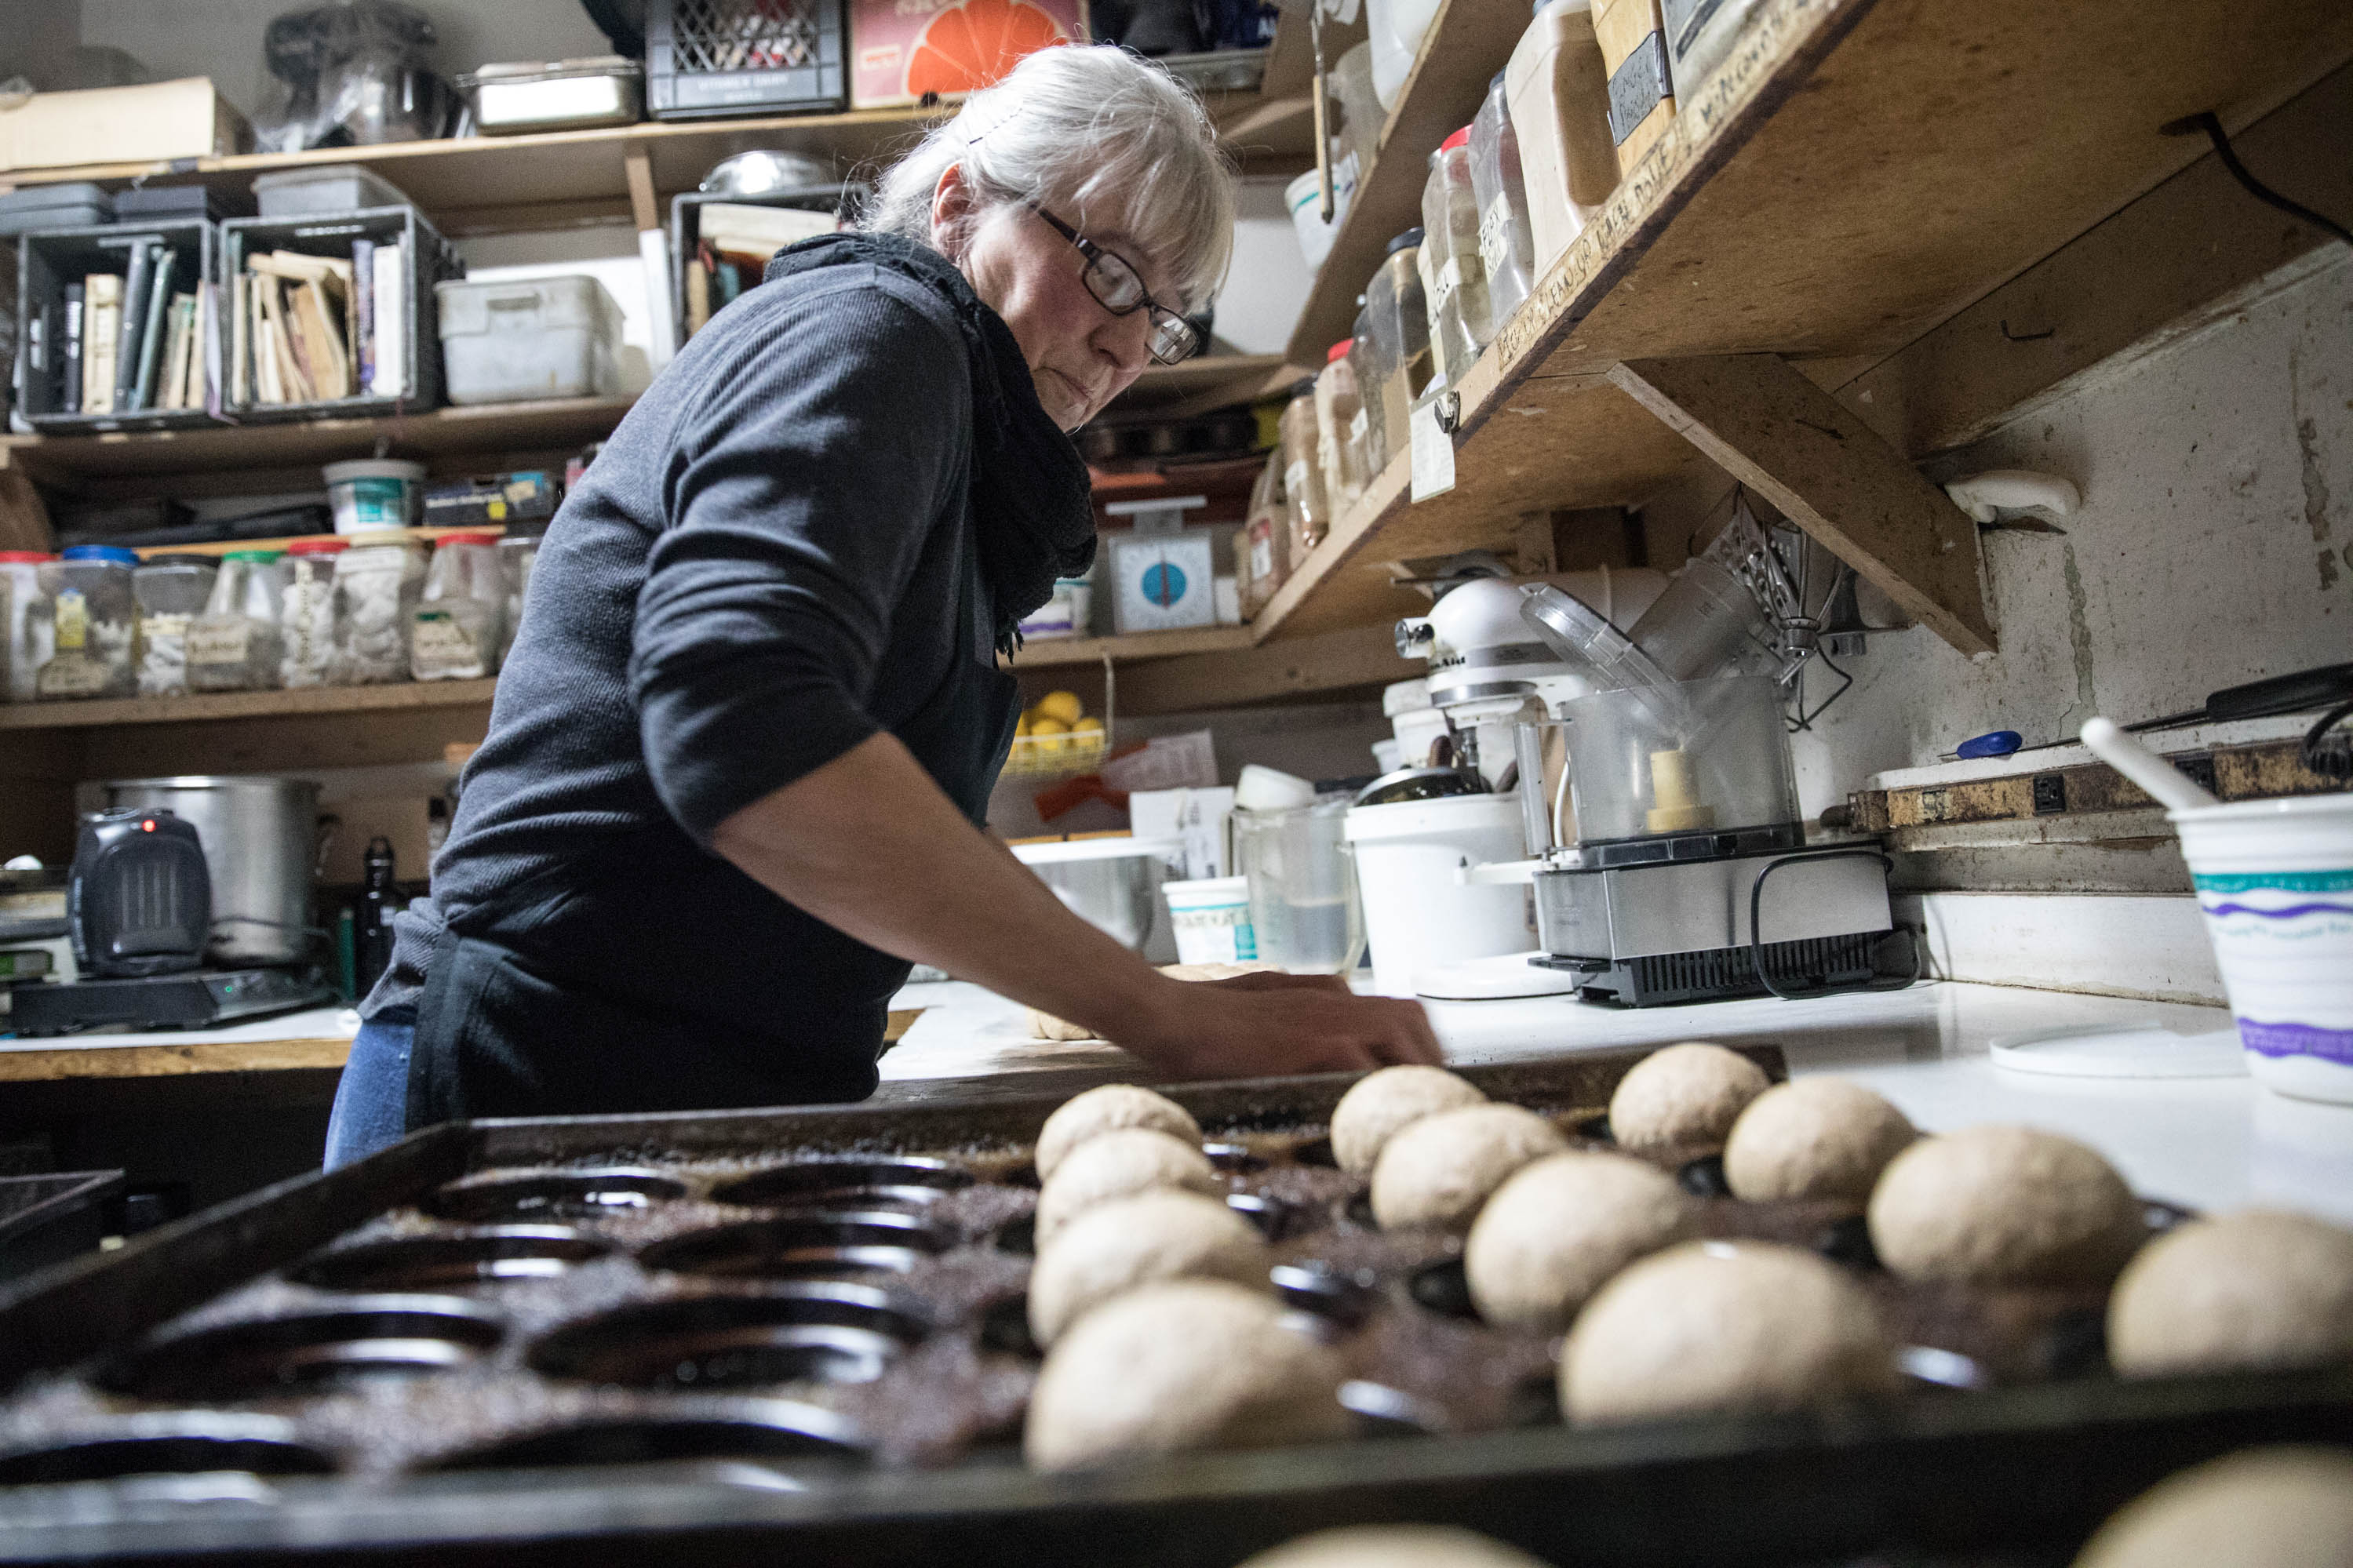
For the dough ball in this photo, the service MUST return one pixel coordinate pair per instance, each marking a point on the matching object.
(1394, 1546)
(1112, 1106)
(1045, 1026)
(1710, 1326)
(2255, 1291)
(1685, 1095)
(2264, 1508)
(1815, 1138)
(1116, 1246)
(1178, 1367)
(1557, 1229)
(2004, 1205)
(1117, 1164)
(1438, 1170)
(1379, 1103)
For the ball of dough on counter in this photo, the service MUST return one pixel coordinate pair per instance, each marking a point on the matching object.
(1559, 1228)
(1394, 1546)
(2261, 1508)
(1105, 1110)
(1439, 1170)
(1044, 1025)
(1815, 1138)
(1117, 1164)
(2256, 1290)
(1178, 1367)
(1712, 1326)
(1379, 1104)
(1685, 1095)
(2004, 1205)
(1118, 1245)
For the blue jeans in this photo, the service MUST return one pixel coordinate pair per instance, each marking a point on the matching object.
(372, 1098)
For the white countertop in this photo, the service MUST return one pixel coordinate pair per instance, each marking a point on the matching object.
(310, 1023)
(2208, 1144)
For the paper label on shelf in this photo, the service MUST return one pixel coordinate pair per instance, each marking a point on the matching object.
(439, 645)
(1433, 454)
(72, 613)
(225, 641)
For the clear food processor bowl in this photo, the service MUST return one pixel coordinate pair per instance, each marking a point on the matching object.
(1718, 759)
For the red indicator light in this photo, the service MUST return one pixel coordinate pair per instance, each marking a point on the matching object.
(148, 826)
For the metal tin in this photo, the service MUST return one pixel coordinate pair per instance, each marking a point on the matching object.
(557, 95)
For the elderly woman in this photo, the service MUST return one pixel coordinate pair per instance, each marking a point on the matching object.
(742, 745)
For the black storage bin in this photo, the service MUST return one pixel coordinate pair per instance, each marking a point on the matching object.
(427, 260)
(48, 261)
(708, 59)
(686, 227)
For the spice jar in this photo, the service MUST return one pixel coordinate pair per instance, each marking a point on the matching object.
(1394, 310)
(1262, 548)
(233, 646)
(455, 631)
(306, 611)
(1454, 281)
(172, 591)
(21, 654)
(518, 555)
(1306, 508)
(1506, 248)
(1337, 410)
(92, 621)
(1558, 88)
(377, 583)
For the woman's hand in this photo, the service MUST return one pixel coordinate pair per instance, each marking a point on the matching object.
(1258, 1025)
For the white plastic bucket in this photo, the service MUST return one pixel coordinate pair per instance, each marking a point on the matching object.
(2274, 879)
(1418, 913)
(1304, 197)
(371, 493)
(1211, 919)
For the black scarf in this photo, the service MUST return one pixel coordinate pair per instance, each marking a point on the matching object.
(1030, 504)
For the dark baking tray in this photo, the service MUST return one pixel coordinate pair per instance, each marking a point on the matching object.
(2004, 1475)
(47, 1218)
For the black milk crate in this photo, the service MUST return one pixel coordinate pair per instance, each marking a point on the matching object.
(708, 59)
(48, 261)
(841, 199)
(429, 259)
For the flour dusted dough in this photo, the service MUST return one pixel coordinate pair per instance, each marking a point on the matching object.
(2004, 1205)
(1118, 1245)
(1815, 1138)
(1685, 1095)
(2256, 1290)
(1116, 1164)
(2263, 1508)
(1394, 1546)
(1178, 1367)
(1712, 1326)
(1105, 1110)
(1045, 1026)
(1558, 1228)
(1438, 1170)
(1379, 1104)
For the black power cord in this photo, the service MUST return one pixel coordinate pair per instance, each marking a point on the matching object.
(2205, 121)
(2330, 756)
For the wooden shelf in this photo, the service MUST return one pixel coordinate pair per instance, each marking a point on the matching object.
(198, 705)
(1854, 175)
(1042, 652)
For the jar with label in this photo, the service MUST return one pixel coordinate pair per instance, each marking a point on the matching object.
(1262, 548)
(455, 631)
(377, 583)
(172, 591)
(21, 654)
(1558, 88)
(518, 557)
(1338, 409)
(1395, 310)
(306, 612)
(92, 620)
(1506, 248)
(233, 646)
(1367, 432)
(1307, 510)
(1454, 281)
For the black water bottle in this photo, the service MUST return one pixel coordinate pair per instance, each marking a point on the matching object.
(378, 897)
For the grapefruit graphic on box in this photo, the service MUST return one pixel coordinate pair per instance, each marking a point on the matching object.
(905, 49)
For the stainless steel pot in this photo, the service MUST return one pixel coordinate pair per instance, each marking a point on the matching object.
(261, 842)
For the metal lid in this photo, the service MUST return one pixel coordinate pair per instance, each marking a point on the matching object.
(1421, 784)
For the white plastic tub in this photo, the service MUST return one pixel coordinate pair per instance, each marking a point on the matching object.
(1418, 914)
(1211, 920)
(526, 339)
(369, 494)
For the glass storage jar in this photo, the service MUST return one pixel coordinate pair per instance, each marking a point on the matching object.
(1337, 410)
(1506, 248)
(1400, 328)
(92, 621)
(1262, 548)
(518, 557)
(1305, 505)
(377, 583)
(1454, 283)
(306, 611)
(21, 654)
(1368, 436)
(455, 629)
(172, 591)
(233, 646)
(1558, 88)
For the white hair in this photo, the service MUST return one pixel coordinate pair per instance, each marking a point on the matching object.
(1104, 139)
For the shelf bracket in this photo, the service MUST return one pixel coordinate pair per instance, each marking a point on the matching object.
(1796, 445)
(637, 163)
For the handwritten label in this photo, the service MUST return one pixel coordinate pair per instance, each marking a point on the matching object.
(440, 647)
(226, 640)
(1433, 454)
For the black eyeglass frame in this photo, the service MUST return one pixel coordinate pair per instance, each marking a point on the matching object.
(1170, 329)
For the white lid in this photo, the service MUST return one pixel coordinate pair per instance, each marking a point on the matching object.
(1200, 890)
(1270, 789)
(1431, 818)
(374, 468)
(1114, 848)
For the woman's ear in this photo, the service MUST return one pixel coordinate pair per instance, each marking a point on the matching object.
(952, 203)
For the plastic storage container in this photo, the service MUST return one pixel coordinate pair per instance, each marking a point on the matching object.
(1395, 29)
(1506, 247)
(326, 189)
(1418, 914)
(1361, 113)
(22, 654)
(171, 592)
(1304, 197)
(233, 646)
(1642, 94)
(1454, 284)
(1337, 411)
(518, 558)
(1558, 89)
(457, 629)
(1400, 322)
(1368, 436)
(92, 622)
(1305, 505)
(1211, 919)
(522, 340)
(76, 204)
(370, 494)
(378, 582)
(1262, 549)
(306, 612)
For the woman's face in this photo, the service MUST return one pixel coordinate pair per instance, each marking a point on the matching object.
(1080, 356)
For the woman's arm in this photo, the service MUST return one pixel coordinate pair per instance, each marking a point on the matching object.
(869, 844)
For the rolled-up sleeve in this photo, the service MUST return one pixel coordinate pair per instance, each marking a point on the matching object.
(798, 499)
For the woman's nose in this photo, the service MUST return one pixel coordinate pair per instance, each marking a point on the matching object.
(1126, 341)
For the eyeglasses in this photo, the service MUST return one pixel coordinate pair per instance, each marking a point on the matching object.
(1113, 280)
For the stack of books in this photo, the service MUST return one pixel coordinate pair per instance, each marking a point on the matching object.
(127, 343)
(316, 329)
(735, 240)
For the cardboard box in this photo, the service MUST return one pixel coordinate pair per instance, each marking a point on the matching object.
(903, 51)
(161, 122)
(1641, 97)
